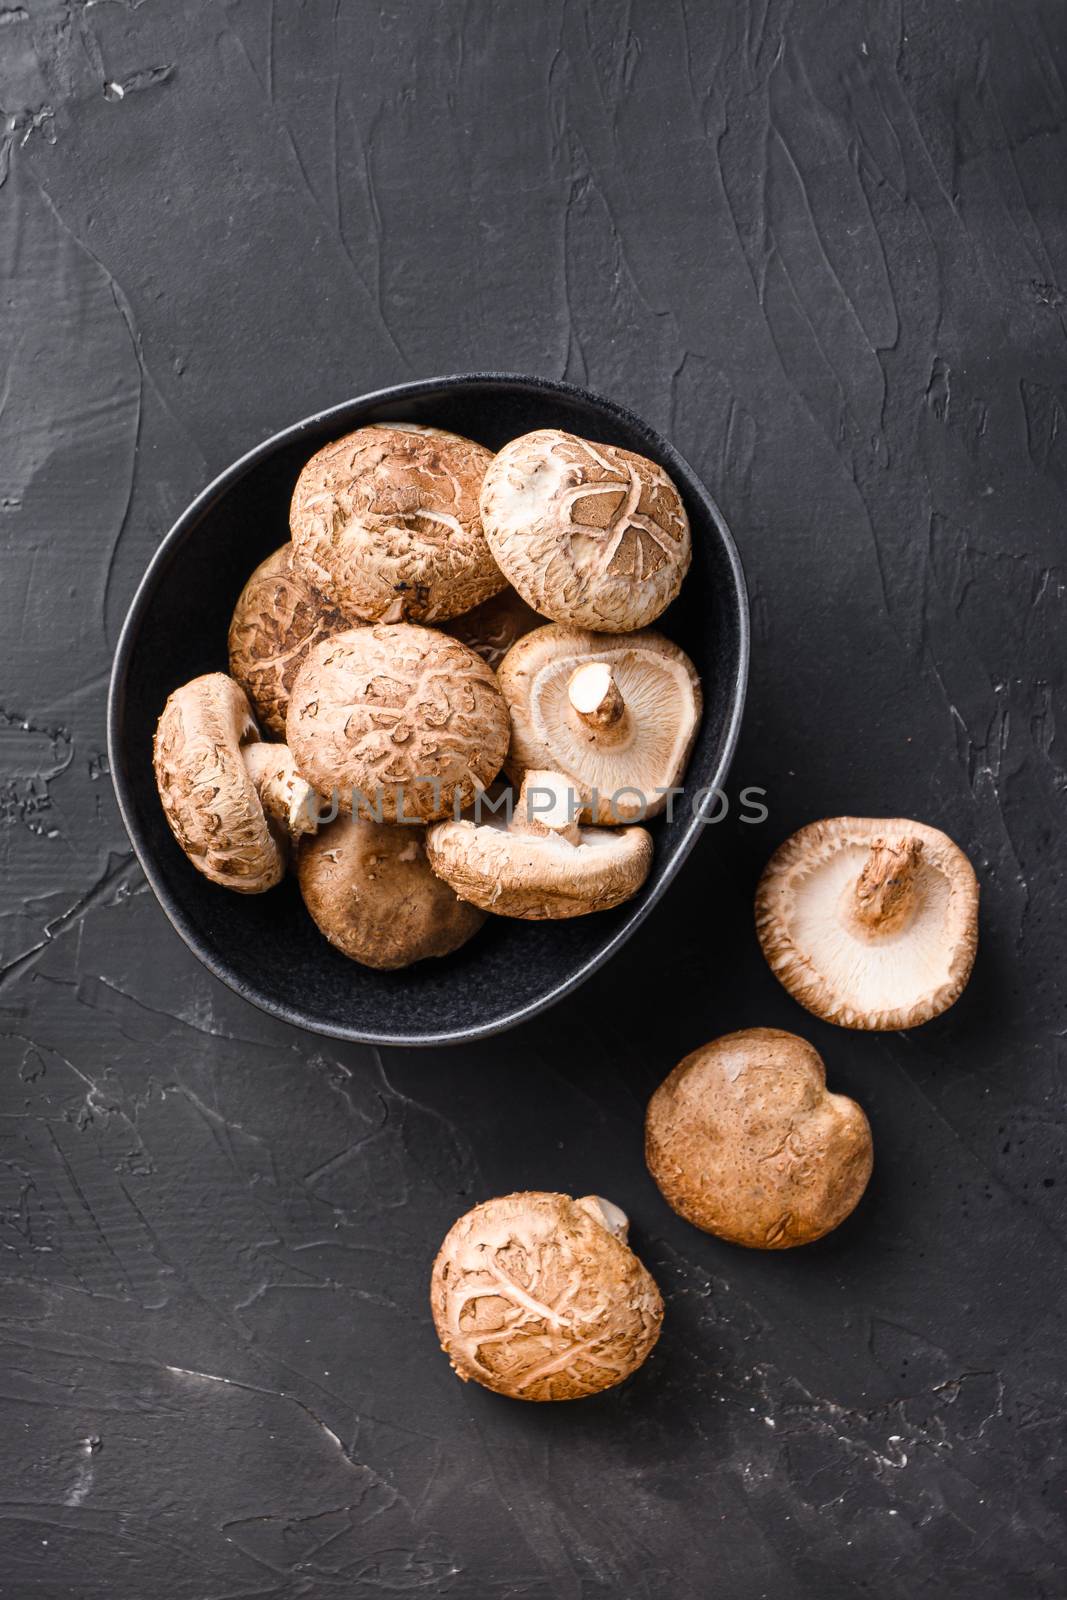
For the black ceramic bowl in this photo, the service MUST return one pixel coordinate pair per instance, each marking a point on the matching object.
(265, 946)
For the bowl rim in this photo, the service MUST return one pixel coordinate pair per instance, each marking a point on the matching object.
(412, 390)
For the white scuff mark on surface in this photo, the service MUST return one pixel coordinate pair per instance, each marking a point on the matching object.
(214, 1377)
(83, 1481)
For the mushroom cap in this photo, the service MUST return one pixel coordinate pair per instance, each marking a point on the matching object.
(370, 891)
(533, 1297)
(589, 534)
(745, 1141)
(385, 522)
(904, 973)
(646, 750)
(208, 794)
(376, 709)
(492, 628)
(539, 876)
(277, 619)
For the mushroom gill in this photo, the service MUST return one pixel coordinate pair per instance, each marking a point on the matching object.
(868, 923)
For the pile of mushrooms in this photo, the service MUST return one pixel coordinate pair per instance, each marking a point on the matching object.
(443, 617)
(468, 714)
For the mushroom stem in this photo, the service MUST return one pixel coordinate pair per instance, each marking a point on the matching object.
(594, 695)
(548, 804)
(885, 892)
(611, 1217)
(285, 796)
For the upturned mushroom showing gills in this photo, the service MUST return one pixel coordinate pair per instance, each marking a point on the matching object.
(370, 891)
(588, 534)
(745, 1141)
(277, 619)
(540, 865)
(538, 1296)
(408, 721)
(617, 713)
(385, 523)
(870, 923)
(232, 801)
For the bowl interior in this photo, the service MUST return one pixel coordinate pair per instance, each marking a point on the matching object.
(266, 946)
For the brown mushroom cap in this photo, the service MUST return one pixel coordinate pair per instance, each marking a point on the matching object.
(617, 713)
(401, 714)
(230, 799)
(745, 1141)
(870, 923)
(369, 888)
(492, 628)
(588, 533)
(385, 523)
(543, 866)
(277, 619)
(534, 1297)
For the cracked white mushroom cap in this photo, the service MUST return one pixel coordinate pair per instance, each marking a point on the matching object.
(277, 619)
(745, 1140)
(541, 866)
(371, 893)
(386, 523)
(617, 713)
(537, 1296)
(410, 719)
(870, 923)
(589, 534)
(232, 801)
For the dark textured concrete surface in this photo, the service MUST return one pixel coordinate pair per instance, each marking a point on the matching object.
(823, 247)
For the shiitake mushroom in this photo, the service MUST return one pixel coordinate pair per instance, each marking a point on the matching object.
(745, 1141)
(539, 1297)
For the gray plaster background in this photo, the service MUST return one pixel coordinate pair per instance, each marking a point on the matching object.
(824, 247)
